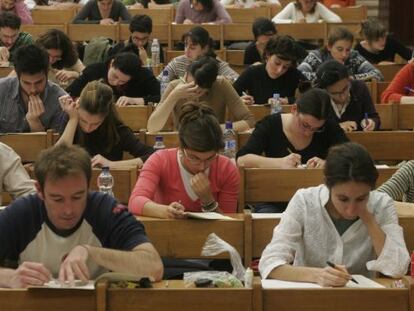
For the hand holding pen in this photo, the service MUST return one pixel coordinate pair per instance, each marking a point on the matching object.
(292, 160)
(367, 124)
(334, 275)
(247, 99)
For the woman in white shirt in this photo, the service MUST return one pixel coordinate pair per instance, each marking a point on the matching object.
(343, 221)
(305, 11)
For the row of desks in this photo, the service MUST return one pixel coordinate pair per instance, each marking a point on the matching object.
(172, 296)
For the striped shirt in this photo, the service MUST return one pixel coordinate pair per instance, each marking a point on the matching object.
(400, 186)
(177, 67)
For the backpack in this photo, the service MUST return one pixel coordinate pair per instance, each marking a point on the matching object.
(96, 51)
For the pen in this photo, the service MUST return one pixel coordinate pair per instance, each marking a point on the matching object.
(182, 80)
(290, 151)
(410, 90)
(332, 265)
(244, 93)
(366, 119)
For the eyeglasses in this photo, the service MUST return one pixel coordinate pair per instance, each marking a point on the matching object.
(345, 91)
(305, 126)
(197, 161)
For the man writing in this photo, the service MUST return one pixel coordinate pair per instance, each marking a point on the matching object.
(65, 231)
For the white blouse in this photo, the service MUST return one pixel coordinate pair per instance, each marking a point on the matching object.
(290, 14)
(306, 236)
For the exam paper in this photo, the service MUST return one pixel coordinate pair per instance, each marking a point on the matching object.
(267, 215)
(56, 284)
(208, 216)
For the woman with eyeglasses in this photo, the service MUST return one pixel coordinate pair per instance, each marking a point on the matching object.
(193, 177)
(351, 102)
(344, 222)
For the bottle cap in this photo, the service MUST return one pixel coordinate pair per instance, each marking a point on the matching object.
(276, 95)
(165, 73)
(159, 138)
(105, 168)
(229, 125)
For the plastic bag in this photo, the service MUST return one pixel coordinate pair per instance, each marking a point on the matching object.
(221, 279)
(215, 245)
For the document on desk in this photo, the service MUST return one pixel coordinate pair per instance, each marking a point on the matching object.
(266, 215)
(208, 216)
(56, 284)
(363, 282)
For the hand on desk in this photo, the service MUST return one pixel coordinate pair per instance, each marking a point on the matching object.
(333, 277)
(29, 273)
(74, 265)
(315, 162)
(176, 211)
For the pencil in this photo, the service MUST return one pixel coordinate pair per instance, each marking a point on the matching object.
(330, 264)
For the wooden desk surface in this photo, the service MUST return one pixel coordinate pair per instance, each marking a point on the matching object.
(184, 238)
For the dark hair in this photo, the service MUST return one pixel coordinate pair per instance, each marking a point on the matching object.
(199, 35)
(298, 6)
(96, 98)
(329, 73)
(11, 20)
(207, 4)
(199, 129)
(314, 102)
(127, 62)
(263, 26)
(372, 30)
(339, 33)
(204, 71)
(31, 59)
(61, 161)
(140, 23)
(284, 47)
(56, 39)
(349, 162)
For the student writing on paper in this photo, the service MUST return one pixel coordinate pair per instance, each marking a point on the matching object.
(193, 177)
(64, 231)
(343, 221)
(401, 88)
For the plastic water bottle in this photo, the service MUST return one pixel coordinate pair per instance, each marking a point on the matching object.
(159, 143)
(230, 143)
(155, 53)
(275, 105)
(164, 81)
(105, 181)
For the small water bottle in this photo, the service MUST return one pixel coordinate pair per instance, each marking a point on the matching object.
(164, 81)
(248, 278)
(275, 105)
(155, 53)
(159, 143)
(230, 142)
(105, 181)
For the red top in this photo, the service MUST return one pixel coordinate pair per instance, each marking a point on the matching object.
(400, 86)
(160, 181)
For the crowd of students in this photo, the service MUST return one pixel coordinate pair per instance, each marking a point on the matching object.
(82, 233)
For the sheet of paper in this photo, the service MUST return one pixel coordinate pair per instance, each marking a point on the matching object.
(208, 216)
(363, 282)
(381, 166)
(267, 215)
(55, 284)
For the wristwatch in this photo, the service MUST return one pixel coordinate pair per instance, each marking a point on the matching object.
(210, 207)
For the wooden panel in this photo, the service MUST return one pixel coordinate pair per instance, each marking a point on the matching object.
(379, 89)
(41, 299)
(158, 16)
(171, 139)
(312, 31)
(4, 71)
(136, 117)
(86, 32)
(124, 182)
(36, 30)
(52, 17)
(247, 15)
(173, 296)
(177, 238)
(238, 32)
(160, 32)
(354, 27)
(405, 117)
(389, 71)
(387, 116)
(356, 13)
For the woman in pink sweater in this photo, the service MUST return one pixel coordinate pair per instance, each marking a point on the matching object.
(193, 177)
(401, 88)
(17, 7)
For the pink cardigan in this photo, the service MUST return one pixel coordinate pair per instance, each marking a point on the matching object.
(160, 181)
(22, 11)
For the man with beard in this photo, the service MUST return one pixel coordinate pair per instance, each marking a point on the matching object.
(29, 102)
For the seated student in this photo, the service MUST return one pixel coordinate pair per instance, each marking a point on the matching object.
(401, 88)
(250, 3)
(338, 3)
(201, 84)
(13, 176)
(339, 46)
(65, 64)
(104, 12)
(305, 11)
(19, 8)
(351, 101)
(278, 75)
(131, 83)
(290, 139)
(30, 102)
(201, 12)
(345, 221)
(193, 177)
(197, 43)
(66, 232)
(94, 124)
(378, 47)
(140, 28)
(11, 38)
